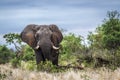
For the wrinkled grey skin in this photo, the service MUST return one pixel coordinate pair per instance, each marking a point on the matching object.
(45, 40)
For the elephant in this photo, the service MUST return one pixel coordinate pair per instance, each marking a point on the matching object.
(45, 41)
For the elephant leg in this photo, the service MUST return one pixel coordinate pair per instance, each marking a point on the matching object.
(55, 61)
(54, 57)
(39, 56)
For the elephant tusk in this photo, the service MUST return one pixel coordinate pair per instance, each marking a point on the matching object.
(56, 48)
(37, 47)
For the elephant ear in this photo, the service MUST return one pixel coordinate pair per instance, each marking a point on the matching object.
(28, 35)
(57, 36)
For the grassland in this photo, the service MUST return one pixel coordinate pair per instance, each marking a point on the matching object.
(8, 73)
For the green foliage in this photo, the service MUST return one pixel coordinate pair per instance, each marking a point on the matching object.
(5, 54)
(116, 59)
(49, 67)
(15, 62)
(95, 39)
(111, 30)
(12, 38)
(23, 52)
(107, 35)
(71, 45)
(106, 41)
(103, 49)
(29, 65)
(28, 53)
(97, 58)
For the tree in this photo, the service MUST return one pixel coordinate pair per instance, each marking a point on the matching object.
(111, 30)
(105, 41)
(5, 54)
(29, 53)
(108, 34)
(71, 43)
(71, 47)
(13, 38)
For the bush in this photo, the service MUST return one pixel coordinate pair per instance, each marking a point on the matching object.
(49, 67)
(15, 62)
(116, 59)
(71, 45)
(5, 54)
(29, 65)
(28, 53)
(100, 58)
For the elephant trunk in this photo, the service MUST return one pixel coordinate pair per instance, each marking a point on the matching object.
(46, 48)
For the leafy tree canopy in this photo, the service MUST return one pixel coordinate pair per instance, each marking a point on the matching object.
(108, 34)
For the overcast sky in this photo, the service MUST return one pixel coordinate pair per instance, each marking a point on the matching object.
(76, 16)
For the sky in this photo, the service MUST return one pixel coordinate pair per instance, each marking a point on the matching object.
(75, 16)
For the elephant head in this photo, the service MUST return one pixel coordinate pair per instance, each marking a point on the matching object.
(44, 39)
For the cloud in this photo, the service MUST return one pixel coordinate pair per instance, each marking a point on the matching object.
(66, 18)
(77, 16)
(53, 13)
(58, 3)
(21, 13)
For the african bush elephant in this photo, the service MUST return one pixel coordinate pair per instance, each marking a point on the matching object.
(45, 40)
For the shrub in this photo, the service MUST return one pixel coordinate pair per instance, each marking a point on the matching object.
(29, 65)
(71, 45)
(28, 53)
(5, 54)
(47, 66)
(15, 62)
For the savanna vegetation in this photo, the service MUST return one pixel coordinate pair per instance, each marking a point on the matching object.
(102, 51)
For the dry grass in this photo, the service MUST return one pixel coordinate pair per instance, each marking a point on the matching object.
(87, 74)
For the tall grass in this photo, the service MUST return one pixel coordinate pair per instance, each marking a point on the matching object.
(8, 73)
